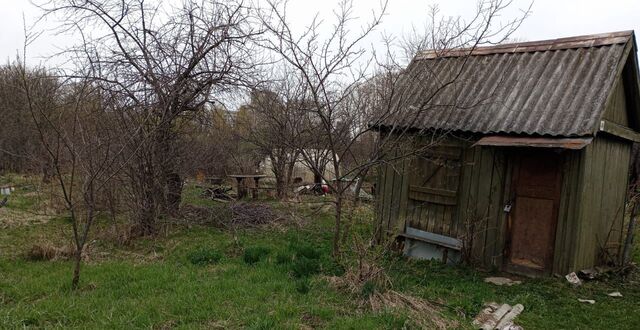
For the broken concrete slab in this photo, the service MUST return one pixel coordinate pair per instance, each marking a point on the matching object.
(501, 281)
(495, 316)
(507, 320)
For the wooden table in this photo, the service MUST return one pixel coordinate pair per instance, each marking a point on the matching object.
(242, 190)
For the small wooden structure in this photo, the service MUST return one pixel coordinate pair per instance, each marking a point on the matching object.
(532, 170)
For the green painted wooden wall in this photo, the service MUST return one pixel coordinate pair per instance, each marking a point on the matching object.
(603, 179)
(590, 217)
(465, 199)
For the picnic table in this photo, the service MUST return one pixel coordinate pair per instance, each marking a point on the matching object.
(242, 189)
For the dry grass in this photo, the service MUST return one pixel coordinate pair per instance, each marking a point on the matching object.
(421, 312)
(382, 298)
(355, 279)
(46, 251)
(11, 218)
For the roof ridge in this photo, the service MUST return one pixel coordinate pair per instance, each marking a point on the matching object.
(584, 41)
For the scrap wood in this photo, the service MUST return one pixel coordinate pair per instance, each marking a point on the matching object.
(216, 192)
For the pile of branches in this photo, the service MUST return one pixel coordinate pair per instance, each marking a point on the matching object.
(232, 215)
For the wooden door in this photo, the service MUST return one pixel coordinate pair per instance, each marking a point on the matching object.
(535, 200)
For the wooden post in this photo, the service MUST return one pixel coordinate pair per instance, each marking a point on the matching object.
(255, 188)
(242, 190)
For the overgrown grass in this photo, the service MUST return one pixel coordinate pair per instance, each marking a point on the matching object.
(199, 277)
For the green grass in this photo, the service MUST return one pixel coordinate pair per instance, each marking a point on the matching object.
(198, 277)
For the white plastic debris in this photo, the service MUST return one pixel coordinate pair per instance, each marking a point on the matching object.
(615, 294)
(588, 301)
(573, 279)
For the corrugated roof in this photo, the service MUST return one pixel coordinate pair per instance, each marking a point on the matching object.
(556, 87)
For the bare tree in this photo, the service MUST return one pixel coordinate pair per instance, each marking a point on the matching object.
(69, 119)
(336, 70)
(275, 124)
(157, 63)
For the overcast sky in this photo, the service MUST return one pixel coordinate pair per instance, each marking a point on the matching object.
(549, 19)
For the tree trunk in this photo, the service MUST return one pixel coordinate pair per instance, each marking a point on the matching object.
(149, 192)
(174, 192)
(277, 167)
(164, 159)
(338, 226)
(290, 168)
(76, 269)
(317, 177)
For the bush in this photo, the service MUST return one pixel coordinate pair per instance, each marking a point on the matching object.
(283, 258)
(303, 267)
(331, 268)
(303, 286)
(255, 254)
(202, 257)
(307, 251)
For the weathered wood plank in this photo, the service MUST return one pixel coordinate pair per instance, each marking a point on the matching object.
(619, 131)
(495, 201)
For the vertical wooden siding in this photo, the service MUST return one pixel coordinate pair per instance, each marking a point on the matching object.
(481, 220)
(602, 195)
(617, 109)
(434, 178)
(590, 216)
(568, 220)
(391, 196)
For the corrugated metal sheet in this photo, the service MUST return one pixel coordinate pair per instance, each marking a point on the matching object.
(537, 88)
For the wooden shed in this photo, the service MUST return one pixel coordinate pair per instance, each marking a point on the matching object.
(531, 166)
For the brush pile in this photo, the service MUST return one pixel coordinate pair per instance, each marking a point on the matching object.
(232, 215)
